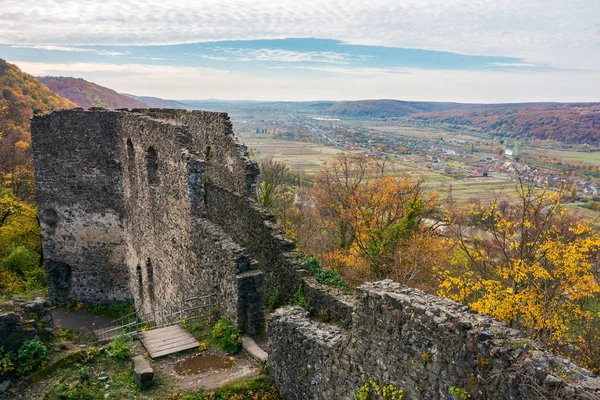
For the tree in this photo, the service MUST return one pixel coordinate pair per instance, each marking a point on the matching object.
(534, 266)
(373, 223)
(272, 182)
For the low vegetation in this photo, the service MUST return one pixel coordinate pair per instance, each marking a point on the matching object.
(29, 357)
(526, 261)
(259, 388)
(226, 336)
(113, 311)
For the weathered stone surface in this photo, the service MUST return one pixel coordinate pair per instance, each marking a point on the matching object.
(254, 350)
(421, 343)
(329, 304)
(24, 320)
(126, 212)
(143, 373)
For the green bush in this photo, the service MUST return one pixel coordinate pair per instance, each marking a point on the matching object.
(30, 356)
(273, 301)
(227, 336)
(20, 260)
(324, 276)
(119, 347)
(299, 298)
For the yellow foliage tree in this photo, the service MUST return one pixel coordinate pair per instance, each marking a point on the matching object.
(533, 266)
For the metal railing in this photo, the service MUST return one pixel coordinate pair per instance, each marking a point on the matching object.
(190, 309)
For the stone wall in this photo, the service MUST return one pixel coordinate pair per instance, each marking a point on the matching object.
(329, 304)
(254, 228)
(78, 179)
(22, 320)
(123, 204)
(431, 347)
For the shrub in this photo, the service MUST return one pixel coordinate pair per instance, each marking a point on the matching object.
(7, 362)
(324, 276)
(31, 355)
(119, 347)
(226, 336)
(299, 298)
(273, 301)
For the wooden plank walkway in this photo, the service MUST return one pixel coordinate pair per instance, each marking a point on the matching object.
(168, 340)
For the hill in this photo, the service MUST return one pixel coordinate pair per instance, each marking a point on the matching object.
(155, 102)
(568, 123)
(564, 122)
(20, 95)
(88, 94)
(388, 108)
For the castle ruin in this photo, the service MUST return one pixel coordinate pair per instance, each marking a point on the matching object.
(159, 205)
(123, 201)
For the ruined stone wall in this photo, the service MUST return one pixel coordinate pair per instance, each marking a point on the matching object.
(78, 177)
(254, 228)
(431, 347)
(158, 215)
(146, 172)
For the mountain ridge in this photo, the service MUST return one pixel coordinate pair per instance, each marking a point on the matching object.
(89, 94)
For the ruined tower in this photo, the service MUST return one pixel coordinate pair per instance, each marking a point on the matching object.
(155, 206)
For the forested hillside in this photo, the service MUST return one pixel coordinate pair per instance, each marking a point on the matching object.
(564, 122)
(21, 94)
(88, 94)
(569, 123)
(20, 247)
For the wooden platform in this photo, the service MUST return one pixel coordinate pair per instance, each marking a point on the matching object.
(168, 340)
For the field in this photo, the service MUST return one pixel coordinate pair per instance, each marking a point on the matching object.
(592, 158)
(306, 157)
(311, 158)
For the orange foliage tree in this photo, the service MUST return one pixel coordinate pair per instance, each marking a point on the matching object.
(371, 224)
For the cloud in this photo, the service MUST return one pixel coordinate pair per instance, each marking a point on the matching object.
(71, 49)
(328, 57)
(554, 32)
(501, 64)
(142, 70)
(356, 71)
(334, 83)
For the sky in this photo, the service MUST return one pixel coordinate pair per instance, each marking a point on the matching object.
(440, 50)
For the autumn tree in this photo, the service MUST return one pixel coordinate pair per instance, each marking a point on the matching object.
(374, 225)
(534, 266)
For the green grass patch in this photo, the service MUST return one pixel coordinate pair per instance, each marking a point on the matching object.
(115, 310)
(259, 388)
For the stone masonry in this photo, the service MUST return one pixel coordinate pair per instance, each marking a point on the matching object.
(431, 347)
(155, 206)
(159, 206)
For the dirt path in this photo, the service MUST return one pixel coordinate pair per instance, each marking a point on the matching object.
(77, 320)
(240, 368)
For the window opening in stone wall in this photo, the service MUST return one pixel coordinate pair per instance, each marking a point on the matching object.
(130, 156)
(150, 275)
(207, 154)
(152, 167)
(50, 217)
(138, 271)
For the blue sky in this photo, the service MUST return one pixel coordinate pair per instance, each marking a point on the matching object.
(451, 50)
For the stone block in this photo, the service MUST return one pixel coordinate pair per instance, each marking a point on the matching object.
(143, 373)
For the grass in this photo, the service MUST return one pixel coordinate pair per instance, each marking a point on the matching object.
(79, 377)
(114, 311)
(592, 158)
(259, 388)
